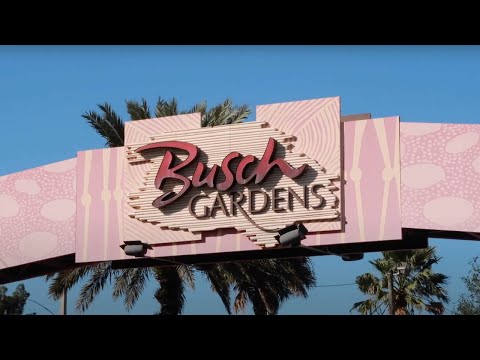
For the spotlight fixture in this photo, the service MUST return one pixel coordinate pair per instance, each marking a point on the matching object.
(291, 235)
(294, 234)
(135, 248)
(352, 257)
(139, 249)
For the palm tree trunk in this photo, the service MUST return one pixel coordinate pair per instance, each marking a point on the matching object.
(390, 293)
(170, 295)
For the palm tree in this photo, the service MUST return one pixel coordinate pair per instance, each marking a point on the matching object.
(418, 288)
(264, 283)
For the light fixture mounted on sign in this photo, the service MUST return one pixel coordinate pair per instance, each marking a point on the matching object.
(294, 234)
(135, 248)
(352, 257)
(138, 249)
(291, 235)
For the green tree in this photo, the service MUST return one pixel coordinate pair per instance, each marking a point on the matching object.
(13, 304)
(263, 283)
(418, 288)
(469, 303)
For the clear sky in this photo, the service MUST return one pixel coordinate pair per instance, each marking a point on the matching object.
(45, 89)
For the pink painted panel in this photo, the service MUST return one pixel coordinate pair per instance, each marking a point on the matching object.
(372, 188)
(37, 214)
(440, 176)
(100, 200)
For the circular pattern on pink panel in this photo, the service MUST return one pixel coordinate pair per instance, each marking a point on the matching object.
(58, 210)
(462, 175)
(417, 129)
(62, 166)
(3, 178)
(421, 176)
(37, 244)
(476, 164)
(461, 143)
(448, 210)
(27, 186)
(10, 206)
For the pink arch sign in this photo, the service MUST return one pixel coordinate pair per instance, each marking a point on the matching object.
(358, 184)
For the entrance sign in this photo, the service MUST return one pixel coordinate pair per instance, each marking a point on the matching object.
(192, 191)
(246, 176)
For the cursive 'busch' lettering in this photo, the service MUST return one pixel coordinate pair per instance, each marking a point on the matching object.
(168, 170)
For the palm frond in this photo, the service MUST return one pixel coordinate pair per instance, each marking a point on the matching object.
(219, 282)
(99, 276)
(366, 307)
(135, 286)
(435, 308)
(114, 122)
(240, 303)
(368, 283)
(258, 305)
(65, 280)
(109, 125)
(239, 114)
(187, 275)
(197, 108)
(121, 283)
(166, 108)
(271, 300)
(138, 111)
(225, 113)
(299, 274)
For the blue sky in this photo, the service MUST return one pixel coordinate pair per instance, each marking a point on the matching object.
(45, 89)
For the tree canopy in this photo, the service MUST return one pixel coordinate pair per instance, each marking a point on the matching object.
(416, 287)
(469, 303)
(15, 303)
